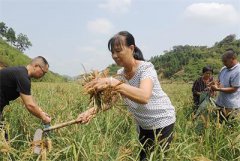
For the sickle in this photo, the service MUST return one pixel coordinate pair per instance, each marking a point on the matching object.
(38, 143)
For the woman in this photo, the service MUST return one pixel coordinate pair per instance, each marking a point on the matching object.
(150, 106)
(201, 85)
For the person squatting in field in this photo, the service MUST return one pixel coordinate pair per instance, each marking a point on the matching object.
(141, 91)
(228, 85)
(15, 82)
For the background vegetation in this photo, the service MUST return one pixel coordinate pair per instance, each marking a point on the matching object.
(10, 56)
(20, 41)
(186, 62)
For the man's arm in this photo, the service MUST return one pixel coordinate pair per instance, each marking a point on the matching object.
(33, 108)
(228, 89)
(224, 89)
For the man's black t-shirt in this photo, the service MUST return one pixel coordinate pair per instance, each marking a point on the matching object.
(13, 81)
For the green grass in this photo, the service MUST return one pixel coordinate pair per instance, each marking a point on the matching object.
(112, 135)
(10, 56)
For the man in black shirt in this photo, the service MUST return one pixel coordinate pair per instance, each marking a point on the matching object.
(15, 82)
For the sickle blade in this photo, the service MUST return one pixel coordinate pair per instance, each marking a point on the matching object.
(37, 141)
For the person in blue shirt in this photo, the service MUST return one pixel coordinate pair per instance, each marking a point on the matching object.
(228, 85)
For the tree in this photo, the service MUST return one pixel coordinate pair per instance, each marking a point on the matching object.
(227, 40)
(3, 29)
(10, 36)
(22, 42)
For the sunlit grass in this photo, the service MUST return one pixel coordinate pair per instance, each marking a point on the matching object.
(112, 134)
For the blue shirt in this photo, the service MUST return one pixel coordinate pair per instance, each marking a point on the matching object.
(230, 78)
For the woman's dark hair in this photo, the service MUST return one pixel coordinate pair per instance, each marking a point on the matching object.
(129, 40)
(206, 69)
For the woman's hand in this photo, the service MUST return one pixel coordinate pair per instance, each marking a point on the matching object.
(100, 84)
(97, 84)
(213, 93)
(214, 87)
(198, 93)
(86, 116)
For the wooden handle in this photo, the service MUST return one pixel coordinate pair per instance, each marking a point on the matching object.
(60, 125)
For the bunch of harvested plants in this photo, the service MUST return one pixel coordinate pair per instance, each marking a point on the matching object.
(104, 99)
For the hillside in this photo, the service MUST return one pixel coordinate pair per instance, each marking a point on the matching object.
(186, 62)
(10, 56)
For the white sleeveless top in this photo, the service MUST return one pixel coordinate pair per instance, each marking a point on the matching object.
(159, 111)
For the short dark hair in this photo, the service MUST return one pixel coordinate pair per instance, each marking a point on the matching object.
(129, 40)
(229, 54)
(206, 69)
(41, 58)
